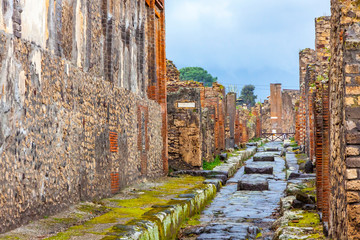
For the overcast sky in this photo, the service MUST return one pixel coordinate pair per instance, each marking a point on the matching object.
(243, 42)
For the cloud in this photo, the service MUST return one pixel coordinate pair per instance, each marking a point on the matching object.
(243, 41)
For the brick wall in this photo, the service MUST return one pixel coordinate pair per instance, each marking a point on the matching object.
(230, 119)
(306, 57)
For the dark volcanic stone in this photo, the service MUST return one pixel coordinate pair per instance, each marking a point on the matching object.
(256, 185)
(297, 204)
(223, 178)
(258, 170)
(303, 197)
(308, 207)
(294, 175)
(263, 156)
(309, 167)
(223, 156)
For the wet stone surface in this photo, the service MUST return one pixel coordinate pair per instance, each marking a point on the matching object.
(264, 156)
(241, 214)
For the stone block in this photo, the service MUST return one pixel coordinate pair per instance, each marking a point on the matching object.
(353, 90)
(351, 174)
(353, 185)
(271, 149)
(258, 170)
(353, 162)
(353, 150)
(353, 112)
(353, 68)
(353, 138)
(353, 197)
(248, 185)
(263, 156)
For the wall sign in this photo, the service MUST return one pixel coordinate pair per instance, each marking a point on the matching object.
(186, 105)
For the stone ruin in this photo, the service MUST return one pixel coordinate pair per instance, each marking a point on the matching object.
(329, 117)
(83, 102)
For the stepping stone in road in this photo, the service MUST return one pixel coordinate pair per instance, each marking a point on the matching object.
(263, 156)
(271, 149)
(255, 182)
(258, 170)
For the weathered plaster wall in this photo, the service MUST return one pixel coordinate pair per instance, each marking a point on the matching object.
(65, 134)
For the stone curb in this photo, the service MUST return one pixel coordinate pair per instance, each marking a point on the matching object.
(233, 163)
(163, 221)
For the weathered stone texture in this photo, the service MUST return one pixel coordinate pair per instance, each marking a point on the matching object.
(344, 70)
(64, 132)
(184, 129)
(77, 121)
(289, 99)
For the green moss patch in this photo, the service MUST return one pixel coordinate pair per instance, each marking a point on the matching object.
(213, 164)
(127, 210)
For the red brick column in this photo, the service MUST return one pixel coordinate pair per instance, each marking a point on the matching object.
(326, 151)
(157, 65)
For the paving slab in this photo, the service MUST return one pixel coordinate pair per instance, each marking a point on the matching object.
(264, 157)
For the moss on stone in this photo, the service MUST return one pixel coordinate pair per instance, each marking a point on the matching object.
(138, 208)
(308, 219)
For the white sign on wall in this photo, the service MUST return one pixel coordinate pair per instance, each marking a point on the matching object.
(186, 105)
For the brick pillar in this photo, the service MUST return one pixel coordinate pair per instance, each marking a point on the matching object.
(322, 46)
(157, 65)
(318, 111)
(276, 107)
(325, 151)
(310, 80)
(306, 57)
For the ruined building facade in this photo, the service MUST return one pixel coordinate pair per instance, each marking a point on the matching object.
(329, 117)
(83, 102)
(278, 114)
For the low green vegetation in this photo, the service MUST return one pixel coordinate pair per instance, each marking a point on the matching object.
(255, 139)
(213, 164)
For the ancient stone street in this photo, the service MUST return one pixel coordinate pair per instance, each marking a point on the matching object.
(103, 137)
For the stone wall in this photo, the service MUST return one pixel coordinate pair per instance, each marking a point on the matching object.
(184, 129)
(332, 110)
(289, 99)
(195, 125)
(66, 135)
(77, 117)
(266, 117)
(344, 120)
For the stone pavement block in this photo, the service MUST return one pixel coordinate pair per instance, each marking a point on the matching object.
(258, 170)
(253, 184)
(263, 156)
